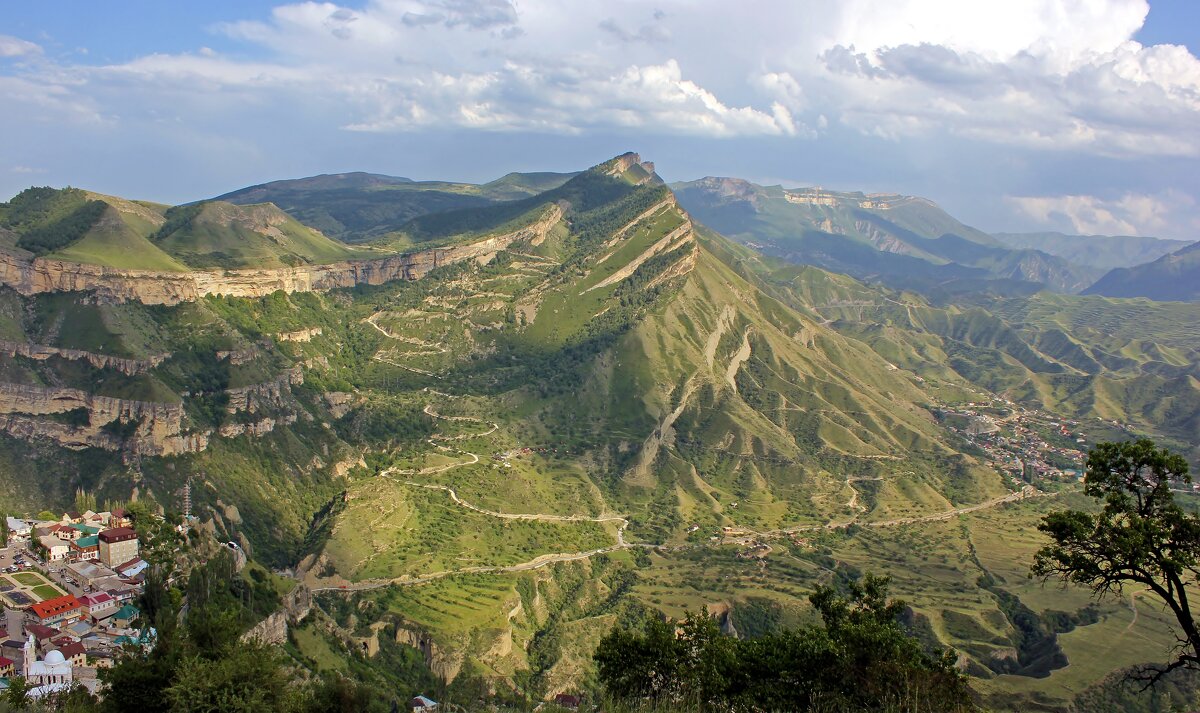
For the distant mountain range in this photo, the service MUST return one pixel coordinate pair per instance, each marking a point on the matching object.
(1106, 252)
(1174, 277)
(902, 241)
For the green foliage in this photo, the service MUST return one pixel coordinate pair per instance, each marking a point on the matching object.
(1141, 536)
(860, 658)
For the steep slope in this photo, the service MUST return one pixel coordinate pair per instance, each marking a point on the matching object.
(81, 226)
(1105, 252)
(1133, 362)
(1174, 277)
(901, 240)
(358, 207)
(581, 408)
(218, 234)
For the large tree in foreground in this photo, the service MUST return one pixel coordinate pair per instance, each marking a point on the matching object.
(1140, 537)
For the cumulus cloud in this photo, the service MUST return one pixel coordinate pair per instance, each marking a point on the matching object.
(1049, 74)
(1051, 77)
(17, 47)
(1128, 214)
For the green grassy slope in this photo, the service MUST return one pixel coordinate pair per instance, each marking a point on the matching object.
(219, 234)
(359, 207)
(115, 240)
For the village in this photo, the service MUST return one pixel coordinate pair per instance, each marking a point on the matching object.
(1028, 446)
(69, 588)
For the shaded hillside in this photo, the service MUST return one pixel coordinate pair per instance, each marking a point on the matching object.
(1105, 252)
(1082, 357)
(223, 235)
(358, 207)
(1174, 277)
(900, 240)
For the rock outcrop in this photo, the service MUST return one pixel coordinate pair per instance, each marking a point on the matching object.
(154, 428)
(272, 630)
(42, 352)
(41, 275)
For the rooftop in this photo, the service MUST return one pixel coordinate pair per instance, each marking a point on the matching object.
(57, 605)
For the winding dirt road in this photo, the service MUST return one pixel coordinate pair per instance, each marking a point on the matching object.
(549, 559)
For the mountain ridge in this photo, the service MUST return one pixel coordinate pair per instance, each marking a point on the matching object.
(1174, 277)
(901, 240)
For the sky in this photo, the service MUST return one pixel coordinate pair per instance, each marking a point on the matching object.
(1081, 116)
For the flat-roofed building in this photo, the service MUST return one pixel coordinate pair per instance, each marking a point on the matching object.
(118, 545)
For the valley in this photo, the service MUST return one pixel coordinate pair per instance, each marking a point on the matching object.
(514, 415)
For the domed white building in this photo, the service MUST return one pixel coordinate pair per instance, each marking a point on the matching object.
(50, 675)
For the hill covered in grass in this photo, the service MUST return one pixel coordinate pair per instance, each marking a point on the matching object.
(73, 225)
(218, 234)
(360, 207)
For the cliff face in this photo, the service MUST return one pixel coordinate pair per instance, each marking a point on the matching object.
(41, 352)
(158, 430)
(40, 275)
(151, 428)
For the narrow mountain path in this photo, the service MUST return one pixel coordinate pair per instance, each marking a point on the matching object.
(549, 559)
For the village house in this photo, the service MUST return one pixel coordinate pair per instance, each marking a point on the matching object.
(55, 549)
(18, 530)
(85, 548)
(89, 573)
(41, 633)
(57, 610)
(119, 517)
(71, 517)
(421, 704)
(98, 606)
(118, 545)
(7, 666)
(124, 617)
(131, 569)
(123, 594)
(73, 652)
(86, 530)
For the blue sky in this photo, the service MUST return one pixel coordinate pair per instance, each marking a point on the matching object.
(1013, 114)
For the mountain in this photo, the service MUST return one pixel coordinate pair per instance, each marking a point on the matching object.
(900, 240)
(358, 207)
(1104, 252)
(577, 408)
(75, 226)
(1174, 277)
(219, 234)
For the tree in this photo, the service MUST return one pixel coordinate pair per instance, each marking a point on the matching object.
(1141, 536)
(860, 658)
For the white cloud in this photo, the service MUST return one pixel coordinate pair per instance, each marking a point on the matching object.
(16, 47)
(1049, 74)
(1129, 214)
(1048, 80)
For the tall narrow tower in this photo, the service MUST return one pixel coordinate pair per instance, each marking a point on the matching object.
(187, 500)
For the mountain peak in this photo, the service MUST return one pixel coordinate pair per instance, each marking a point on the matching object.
(630, 166)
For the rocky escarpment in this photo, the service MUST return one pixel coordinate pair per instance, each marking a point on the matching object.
(42, 352)
(76, 419)
(145, 427)
(41, 275)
